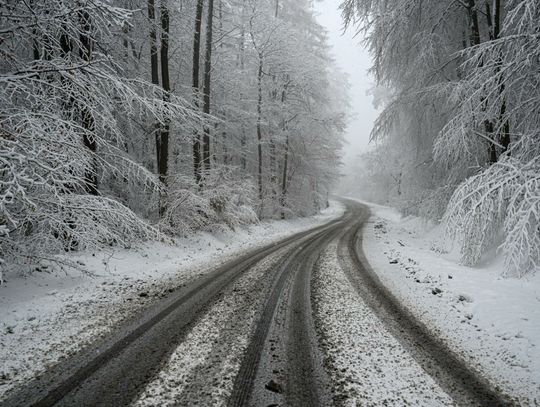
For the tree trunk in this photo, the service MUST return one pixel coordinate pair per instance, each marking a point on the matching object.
(284, 175)
(284, 178)
(503, 134)
(195, 86)
(475, 40)
(242, 58)
(259, 131)
(154, 66)
(163, 142)
(87, 45)
(207, 84)
(475, 28)
(153, 43)
(494, 21)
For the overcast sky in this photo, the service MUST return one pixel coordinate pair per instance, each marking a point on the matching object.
(352, 58)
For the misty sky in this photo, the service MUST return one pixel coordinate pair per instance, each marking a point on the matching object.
(352, 58)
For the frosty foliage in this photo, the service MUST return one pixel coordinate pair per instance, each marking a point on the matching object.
(501, 87)
(500, 203)
(463, 117)
(85, 111)
(228, 200)
(61, 96)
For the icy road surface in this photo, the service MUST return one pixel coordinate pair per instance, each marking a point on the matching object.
(301, 322)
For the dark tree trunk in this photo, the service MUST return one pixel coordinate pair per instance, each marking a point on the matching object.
(284, 175)
(497, 26)
(68, 105)
(163, 141)
(259, 130)
(207, 85)
(195, 86)
(242, 58)
(284, 178)
(154, 66)
(503, 134)
(87, 45)
(35, 46)
(475, 40)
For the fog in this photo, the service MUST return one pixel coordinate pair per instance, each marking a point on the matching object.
(355, 61)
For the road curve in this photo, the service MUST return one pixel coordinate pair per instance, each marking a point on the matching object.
(283, 362)
(282, 365)
(460, 381)
(115, 370)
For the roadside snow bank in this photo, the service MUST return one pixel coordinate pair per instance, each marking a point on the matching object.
(493, 322)
(49, 315)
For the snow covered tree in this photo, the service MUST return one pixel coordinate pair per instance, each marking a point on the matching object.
(464, 96)
(114, 128)
(62, 96)
(500, 204)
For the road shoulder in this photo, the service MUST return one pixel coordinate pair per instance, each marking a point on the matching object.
(493, 323)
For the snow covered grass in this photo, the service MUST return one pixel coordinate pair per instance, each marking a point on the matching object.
(492, 321)
(367, 365)
(50, 314)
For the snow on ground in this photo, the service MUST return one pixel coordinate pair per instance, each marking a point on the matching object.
(49, 315)
(493, 322)
(366, 364)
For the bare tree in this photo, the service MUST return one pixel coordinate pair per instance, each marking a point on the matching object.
(195, 86)
(207, 85)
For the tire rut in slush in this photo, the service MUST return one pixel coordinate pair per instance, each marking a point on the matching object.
(114, 371)
(282, 365)
(460, 381)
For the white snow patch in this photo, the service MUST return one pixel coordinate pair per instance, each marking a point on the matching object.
(494, 322)
(48, 315)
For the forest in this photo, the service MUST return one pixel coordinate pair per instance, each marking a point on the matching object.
(458, 137)
(217, 203)
(129, 120)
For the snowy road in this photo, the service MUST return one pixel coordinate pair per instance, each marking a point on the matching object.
(301, 323)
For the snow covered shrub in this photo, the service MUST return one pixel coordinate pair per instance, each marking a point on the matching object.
(231, 197)
(187, 209)
(226, 199)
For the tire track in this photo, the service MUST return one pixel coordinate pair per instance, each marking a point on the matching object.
(113, 371)
(466, 386)
(282, 363)
(202, 369)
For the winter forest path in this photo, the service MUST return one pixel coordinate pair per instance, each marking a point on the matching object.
(282, 362)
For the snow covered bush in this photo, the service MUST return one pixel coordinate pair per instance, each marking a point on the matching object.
(227, 199)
